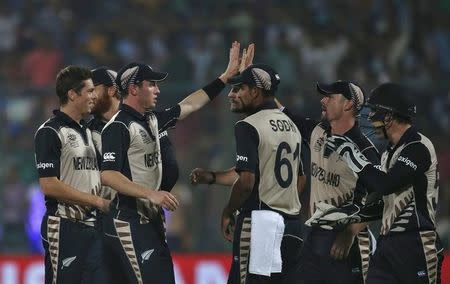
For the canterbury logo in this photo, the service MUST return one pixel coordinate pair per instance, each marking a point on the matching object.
(67, 261)
(109, 156)
(146, 255)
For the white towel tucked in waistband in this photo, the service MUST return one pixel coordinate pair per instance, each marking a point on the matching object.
(265, 243)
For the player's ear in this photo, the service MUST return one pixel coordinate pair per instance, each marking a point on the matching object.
(71, 95)
(348, 105)
(111, 91)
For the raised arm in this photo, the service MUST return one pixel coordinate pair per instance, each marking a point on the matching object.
(199, 98)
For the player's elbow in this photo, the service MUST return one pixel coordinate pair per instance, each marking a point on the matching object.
(48, 185)
(107, 177)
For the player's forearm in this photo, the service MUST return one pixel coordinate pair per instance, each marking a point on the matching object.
(199, 98)
(301, 182)
(240, 191)
(54, 188)
(226, 177)
(117, 181)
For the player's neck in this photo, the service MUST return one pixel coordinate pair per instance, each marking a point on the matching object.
(134, 104)
(72, 112)
(112, 110)
(341, 126)
(396, 132)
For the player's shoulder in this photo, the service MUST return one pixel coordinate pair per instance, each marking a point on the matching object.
(120, 119)
(360, 139)
(53, 124)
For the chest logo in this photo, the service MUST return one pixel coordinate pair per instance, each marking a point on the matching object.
(145, 137)
(319, 144)
(72, 138)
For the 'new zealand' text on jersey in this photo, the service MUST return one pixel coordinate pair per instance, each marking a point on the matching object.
(332, 181)
(268, 145)
(130, 145)
(413, 207)
(64, 149)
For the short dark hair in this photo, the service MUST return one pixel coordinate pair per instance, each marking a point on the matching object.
(71, 78)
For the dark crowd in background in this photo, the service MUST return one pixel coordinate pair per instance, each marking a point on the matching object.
(369, 42)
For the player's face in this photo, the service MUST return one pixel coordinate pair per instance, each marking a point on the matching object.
(86, 97)
(332, 107)
(377, 119)
(103, 101)
(240, 98)
(148, 94)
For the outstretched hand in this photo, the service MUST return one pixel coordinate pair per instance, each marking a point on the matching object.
(233, 63)
(247, 57)
(347, 149)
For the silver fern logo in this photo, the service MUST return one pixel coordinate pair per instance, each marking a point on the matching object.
(67, 261)
(128, 76)
(112, 75)
(262, 79)
(146, 255)
(357, 95)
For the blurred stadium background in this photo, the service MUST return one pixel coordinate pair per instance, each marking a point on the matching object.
(370, 42)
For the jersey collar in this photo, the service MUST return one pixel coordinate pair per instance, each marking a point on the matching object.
(128, 109)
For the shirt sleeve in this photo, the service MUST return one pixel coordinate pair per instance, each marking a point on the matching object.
(170, 171)
(247, 142)
(47, 152)
(304, 124)
(167, 118)
(115, 144)
(414, 160)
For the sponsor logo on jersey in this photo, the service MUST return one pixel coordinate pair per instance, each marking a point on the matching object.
(44, 165)
(151, 159)
(85, 163)
(241, 158)
(321, 174)
(408, 162)
(109, 157)
(162, 134)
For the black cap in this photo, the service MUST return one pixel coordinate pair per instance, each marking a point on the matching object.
(135, 73)
(258, 75)
(349, 90)
(392, 97)
(105, 76)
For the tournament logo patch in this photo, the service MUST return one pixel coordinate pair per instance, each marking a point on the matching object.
(72, 138)
(145, 137)
(319, 144)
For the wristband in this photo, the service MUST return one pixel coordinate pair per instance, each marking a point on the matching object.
(214, 88)
(213, 179)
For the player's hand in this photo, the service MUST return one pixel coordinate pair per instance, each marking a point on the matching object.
(350, 153)
(164, 199)
(103, 205)
(228, 225)
(233, 63)
(201, 176)
(342, 244)
(247, 57)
